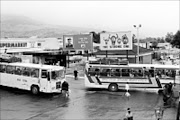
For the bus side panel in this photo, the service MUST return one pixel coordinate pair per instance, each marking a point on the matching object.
(17, 81)
(90, 84)
(9, 80)
(3, 79)
(27, 82)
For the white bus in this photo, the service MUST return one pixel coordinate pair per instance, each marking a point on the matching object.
(138, 76)
(34, 77)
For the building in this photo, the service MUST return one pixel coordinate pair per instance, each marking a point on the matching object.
(20, 45)
(34, 50)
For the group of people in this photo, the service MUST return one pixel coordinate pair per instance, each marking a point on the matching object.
(167, 93)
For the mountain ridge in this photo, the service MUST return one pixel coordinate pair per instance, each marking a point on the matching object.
(15, 26)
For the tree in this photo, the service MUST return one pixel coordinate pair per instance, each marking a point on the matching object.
(162, 40)
(176, 40)
(96, 37)
(154, 44)
(169, 37)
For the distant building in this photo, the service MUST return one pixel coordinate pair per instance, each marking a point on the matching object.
(164, 45)
(166, 51)
(20, 45)
(144, 45)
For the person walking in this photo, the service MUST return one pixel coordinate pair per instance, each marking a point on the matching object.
(129, 115)
(75, 74)
(65, 88)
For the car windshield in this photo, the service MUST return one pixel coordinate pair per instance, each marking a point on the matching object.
(57, 74)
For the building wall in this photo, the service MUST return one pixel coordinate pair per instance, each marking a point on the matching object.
(132, 60)
(147, 59)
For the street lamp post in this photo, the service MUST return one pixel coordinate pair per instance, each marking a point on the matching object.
(137, 27)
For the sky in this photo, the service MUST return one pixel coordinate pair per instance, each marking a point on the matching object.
(157, 18)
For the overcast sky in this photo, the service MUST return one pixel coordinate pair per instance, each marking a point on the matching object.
(156, 17)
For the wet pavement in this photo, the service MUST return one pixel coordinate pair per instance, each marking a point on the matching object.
(81, 104)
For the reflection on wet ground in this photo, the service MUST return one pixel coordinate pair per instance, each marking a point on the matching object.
(82, 104)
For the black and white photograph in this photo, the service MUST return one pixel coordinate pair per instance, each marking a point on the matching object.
(90, 60)
(69, 42)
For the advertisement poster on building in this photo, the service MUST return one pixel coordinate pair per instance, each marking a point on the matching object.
(78, 42)
(83, 41)
(116, 41)
(68, 42)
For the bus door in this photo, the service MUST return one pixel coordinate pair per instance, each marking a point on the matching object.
(44, 80)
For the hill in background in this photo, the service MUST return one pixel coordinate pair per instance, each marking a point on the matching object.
(14, 26)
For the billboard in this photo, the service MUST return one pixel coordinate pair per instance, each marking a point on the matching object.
(79, 41)
(116, 41)
(68, 41)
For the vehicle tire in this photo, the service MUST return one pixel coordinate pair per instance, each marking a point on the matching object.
(113, 87)
(34, 89)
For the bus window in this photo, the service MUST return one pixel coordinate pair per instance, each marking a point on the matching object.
(177, 72)
(97, 71)
(44, 74)
(26, 71)
(166, 73)
(105, 72)
(115, 72)
(57, 74)
(91, 71)
(132, 73)
(151, 71)
(2, 68)
(10, 69)
(18, 71)
(137, 72)
(61, 73)
(35, 72)
(170, 73)
(159, 72)
(125, 72)
(173, 73)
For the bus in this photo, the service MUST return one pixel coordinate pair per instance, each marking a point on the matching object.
(138, 76)
(33, 77)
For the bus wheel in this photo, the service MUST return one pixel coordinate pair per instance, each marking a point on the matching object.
(34, 89)
(113, 87)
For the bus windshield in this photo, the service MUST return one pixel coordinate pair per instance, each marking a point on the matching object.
(55, 75)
